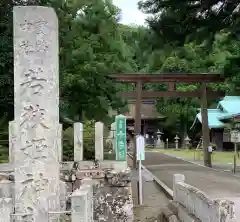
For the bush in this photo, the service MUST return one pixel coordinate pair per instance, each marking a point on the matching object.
(88, 143)
(89, 140)
(214, 146)
(68, 144)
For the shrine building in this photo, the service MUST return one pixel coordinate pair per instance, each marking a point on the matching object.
(220, 119)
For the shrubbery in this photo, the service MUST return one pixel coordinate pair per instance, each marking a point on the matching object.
(88, 143)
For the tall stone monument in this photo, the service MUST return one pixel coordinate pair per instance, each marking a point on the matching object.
(36, 99)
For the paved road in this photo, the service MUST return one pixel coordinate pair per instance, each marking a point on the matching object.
(219, 166)
(214, 183)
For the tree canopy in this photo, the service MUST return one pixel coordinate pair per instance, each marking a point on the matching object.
(91, 47)
(185, 36)
(178, 21)
(200, 36)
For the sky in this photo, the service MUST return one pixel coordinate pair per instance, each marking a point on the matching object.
(130, 13)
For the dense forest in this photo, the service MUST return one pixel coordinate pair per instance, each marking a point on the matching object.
(181, 36)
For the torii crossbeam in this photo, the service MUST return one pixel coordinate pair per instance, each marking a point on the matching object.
(171, 79)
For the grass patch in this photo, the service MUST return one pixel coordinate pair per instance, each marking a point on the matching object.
(217, 157)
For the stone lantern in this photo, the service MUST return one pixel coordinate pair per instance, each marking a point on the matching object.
(176, 138)
(159, 143)
(167, 143)
(159, 133)
(187, 141)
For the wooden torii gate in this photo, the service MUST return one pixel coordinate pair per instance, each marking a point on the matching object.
(171, 79)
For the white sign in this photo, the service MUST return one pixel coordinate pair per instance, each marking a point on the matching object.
(140, 141)
(235, 136)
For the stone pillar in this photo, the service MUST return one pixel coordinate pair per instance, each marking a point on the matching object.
(63, 195)
(6, 203)
(177, 178)
(6, 188)
(6, 209)
(78, 141)
(99, 150)
(59, 141)
(12, 141)
(89, 190)
(113, 136)
(82, 204)
(36, 111)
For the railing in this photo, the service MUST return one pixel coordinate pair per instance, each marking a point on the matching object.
(194, 205)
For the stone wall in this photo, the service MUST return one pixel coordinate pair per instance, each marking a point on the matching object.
(113, 199)
(112, 195)
(111, 189)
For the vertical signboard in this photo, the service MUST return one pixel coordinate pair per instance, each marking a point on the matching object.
(140, 147)
(140, 142)
(121, 138)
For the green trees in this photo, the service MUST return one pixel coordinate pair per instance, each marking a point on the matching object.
(93, 44)
(91, 47)
(213, 24)
(200, 37)
(6, 60)
(180, 112)
(178, 21)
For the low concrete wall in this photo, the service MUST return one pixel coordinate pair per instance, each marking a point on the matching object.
(192, 202)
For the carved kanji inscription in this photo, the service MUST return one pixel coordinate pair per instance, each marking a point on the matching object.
(34, 149)
(41, 46)
(28, 48)
(24, 218)
(41, 183)
(32, 185)
(40, 27)
(33, 117)
(33, 81)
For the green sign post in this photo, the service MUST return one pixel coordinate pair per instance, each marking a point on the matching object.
(121, 138)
